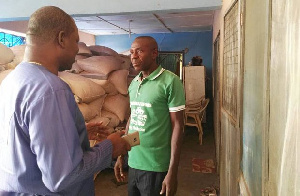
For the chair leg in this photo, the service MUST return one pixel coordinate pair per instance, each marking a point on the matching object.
(200, 131)
(200, 135)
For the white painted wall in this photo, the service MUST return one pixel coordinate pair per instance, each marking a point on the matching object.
(10, 10)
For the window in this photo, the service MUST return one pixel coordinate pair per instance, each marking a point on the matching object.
(11, 40)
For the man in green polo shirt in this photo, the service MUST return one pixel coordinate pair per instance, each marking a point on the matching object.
(157, 103)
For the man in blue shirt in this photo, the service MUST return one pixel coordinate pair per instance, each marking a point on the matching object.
(44, 147)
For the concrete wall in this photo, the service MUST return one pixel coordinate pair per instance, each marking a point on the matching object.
(87, 38)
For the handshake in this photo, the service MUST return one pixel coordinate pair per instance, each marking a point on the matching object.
(123, 143)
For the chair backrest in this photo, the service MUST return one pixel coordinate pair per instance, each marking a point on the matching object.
(196, 109)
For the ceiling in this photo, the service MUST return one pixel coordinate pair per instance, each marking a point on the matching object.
(144, 23)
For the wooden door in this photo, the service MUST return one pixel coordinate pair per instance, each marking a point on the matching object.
(231, 100)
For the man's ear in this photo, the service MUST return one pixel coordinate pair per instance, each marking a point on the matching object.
(155, 53)
(61, 38)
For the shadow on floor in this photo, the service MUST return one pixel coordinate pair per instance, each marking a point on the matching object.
(190, 183)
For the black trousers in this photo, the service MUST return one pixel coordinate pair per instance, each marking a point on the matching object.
(145, 183)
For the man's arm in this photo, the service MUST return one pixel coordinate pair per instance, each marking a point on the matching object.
(118, 169)
(170, 183)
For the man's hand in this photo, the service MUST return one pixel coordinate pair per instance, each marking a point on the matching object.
(119, 169)
(120, 146)
(169, 185)
(95, 126)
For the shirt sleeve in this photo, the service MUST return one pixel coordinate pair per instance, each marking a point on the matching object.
(56, 142)
(176, 97)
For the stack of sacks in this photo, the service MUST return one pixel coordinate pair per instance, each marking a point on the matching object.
(90, 98)
(110, 70)
(6, 57)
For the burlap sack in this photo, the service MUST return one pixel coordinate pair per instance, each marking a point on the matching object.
(119, 79)
(93, 75)
(132, 71)
(83, 49)
(100, 64)
(109, 88)
(127, 61)
(6, 54)
(85, 89)
(97, 105)
(117, 104)
(129, 80)
(98, 50)
(78, 56)
(76, 69)
(105, 121)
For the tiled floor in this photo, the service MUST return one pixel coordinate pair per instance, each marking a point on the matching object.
(190, 183)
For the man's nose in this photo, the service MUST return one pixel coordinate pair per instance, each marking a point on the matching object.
(134, 55)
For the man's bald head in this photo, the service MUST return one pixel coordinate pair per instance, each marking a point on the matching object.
(45, 24)
(149, 41)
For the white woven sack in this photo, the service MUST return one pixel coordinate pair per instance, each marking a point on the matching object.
(2, 68)
(117, 104)
(85, 89)
(6, 54)
(87, 112)
(19, 55)
(119, 79)
(100, 64)
(114, 120)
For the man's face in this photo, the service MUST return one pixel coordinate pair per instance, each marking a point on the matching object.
(71, 50)
(142, 55)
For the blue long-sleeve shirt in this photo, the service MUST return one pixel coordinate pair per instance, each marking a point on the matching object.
(44, 148)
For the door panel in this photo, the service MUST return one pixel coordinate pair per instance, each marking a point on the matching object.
(231, 101)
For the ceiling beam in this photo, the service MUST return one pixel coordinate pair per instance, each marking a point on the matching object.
(157, 17)
(128, 31)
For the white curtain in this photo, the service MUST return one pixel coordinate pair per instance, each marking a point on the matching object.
(285, 63)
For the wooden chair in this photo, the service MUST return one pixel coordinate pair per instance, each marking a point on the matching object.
(193, 116)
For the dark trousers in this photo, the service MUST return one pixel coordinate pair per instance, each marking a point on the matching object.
(144, 183)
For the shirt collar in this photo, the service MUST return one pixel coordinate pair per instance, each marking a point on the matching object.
(153, 75)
